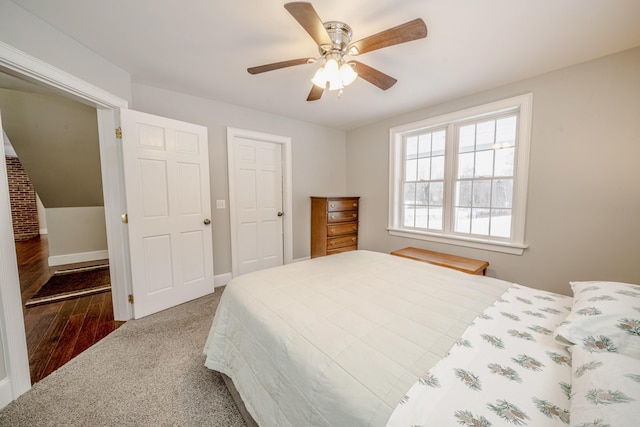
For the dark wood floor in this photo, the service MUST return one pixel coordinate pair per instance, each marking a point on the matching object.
(57, 332)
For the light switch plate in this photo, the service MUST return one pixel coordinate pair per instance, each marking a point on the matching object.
(220, 204)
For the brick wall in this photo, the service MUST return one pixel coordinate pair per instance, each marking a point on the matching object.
(22, 196)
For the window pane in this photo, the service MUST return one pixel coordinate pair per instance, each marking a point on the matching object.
(484, 164)
(409, 193)
(437, 167)
(463, 193)
(465, 165)
(467, 139)
(410, 170)
(408, 216)
(422, 193)
(438, 143)
(480, 221)
(411, 150)
(502, 193)
(422, 217)
(506, 132)
(436, 192)
(485, 135)
(504, 162)
(435, 218)
(424, 169)
(462, 220)
(501, 222)
(481, 193)
(424, 146)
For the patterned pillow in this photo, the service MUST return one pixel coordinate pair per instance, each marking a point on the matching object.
(605, 389)
(605, 316)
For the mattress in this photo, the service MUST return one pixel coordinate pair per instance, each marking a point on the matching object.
(339, 340)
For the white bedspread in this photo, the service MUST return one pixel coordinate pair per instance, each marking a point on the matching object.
(338, 340)
(507, 369)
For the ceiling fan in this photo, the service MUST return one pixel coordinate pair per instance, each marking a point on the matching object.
(334, 42)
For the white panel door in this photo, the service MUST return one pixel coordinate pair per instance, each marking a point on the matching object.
(257, 191)
(166, 169)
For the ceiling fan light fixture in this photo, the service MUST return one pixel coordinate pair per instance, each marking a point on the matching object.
(348, 74)
(335, 74)
(328, 75)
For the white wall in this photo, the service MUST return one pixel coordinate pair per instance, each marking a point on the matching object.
(583, 214)
(318, 157)
(76, 234)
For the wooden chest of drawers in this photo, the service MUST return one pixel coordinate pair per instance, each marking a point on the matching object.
(334, 225)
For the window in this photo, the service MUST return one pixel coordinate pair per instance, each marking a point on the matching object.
(462, 178)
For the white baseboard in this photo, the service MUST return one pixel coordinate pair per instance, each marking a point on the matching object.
(43, 231)
(301, 259)
(79, 257)
(221, 279)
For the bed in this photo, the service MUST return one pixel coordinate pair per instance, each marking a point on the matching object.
(369, 339)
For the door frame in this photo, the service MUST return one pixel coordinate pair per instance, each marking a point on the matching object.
(107, 105)
(287, 190)
(12, 336)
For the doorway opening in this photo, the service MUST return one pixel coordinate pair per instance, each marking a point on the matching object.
(34, 71)
(57, 139)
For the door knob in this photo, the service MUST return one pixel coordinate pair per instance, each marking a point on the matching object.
(207, 221)
(280, 213)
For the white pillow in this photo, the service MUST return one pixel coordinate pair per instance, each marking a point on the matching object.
(605, 316)
(605, 389)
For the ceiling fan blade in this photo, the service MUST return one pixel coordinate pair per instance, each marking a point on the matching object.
(378, 78)
(277, 65)
(403, 33)
(306, 16)
(315, 94)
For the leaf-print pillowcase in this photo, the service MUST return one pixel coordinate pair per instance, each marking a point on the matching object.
(605, 316)
(605, 389)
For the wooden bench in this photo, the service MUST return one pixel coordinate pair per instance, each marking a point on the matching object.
(466, 265)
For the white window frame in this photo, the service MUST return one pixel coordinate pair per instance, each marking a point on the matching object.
(523, 104)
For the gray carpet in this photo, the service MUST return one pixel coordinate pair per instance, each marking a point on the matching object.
(149, 372)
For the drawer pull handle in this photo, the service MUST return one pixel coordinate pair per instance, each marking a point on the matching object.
(353, 239)
(333, 205)
(354, 228)
(355, 205)
(355, 215)
(333, 216)
(333, 230)
(333, 243)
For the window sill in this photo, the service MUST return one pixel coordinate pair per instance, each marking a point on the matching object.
(504, 247)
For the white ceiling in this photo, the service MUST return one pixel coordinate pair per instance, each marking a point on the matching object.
(203, 47)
